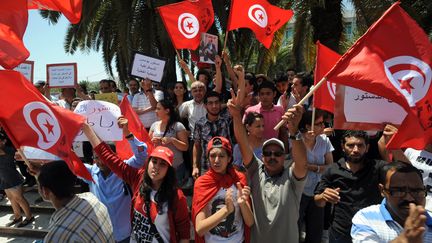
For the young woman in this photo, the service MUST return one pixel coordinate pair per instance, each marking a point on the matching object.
(160, 212)
(220, 208)
(319, 156)
(181, 93)
(169, 132)
(254, 123)
(11, 182)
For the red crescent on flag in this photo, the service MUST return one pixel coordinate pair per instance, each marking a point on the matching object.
(182, 20)
(33, 116)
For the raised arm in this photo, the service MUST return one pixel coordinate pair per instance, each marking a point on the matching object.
(186, 69)
(388, 132)
(230, 70)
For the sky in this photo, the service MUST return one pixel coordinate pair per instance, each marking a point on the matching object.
(45, 44)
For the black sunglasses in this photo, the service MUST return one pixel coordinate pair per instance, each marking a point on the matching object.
(275, 153)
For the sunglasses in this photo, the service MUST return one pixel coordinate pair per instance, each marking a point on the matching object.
(275, 153)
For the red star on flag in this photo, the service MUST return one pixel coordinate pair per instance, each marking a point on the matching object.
(261, 17)
(189, 25)
(406, 84)
(49, 127)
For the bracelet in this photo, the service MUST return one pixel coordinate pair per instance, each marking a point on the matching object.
(129, 136)
(318, 169)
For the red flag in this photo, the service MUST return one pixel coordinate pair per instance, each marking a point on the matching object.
(135, 127)
(184, 21)
(260, 16)
(410, 135)
(324, 97)
(13, 23)
(392, 59)
(30, 120)
(71, 9)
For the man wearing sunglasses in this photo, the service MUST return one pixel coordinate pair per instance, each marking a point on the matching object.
(401, 216)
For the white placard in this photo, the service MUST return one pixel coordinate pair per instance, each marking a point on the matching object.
(32, 153)
(147, 67)
(26, 69)
(62, 75)
(102, 116)
(361, 106)
(208, 48)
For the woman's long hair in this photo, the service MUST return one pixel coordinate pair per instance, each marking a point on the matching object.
(185, 95)
(166, 192)
(173, 116)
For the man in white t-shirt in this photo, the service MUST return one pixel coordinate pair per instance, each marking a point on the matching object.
(144, 103)
(194, 109)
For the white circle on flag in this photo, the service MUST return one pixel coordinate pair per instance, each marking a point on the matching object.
(410, 76)
(188, 25)
(43, 121)
(331, 89)
(258, 15)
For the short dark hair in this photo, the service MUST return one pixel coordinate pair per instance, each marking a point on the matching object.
(307, 119)
(357, 134)
(268, 85)
(398, 166)
(203, 72)
(305, 79)
(106, 81)
(57, 177)
(251, 117)
(281, 77)
(291, 69)
(211, 93)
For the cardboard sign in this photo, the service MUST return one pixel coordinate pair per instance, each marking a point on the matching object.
(27, 69)
(359, 110)
(32, 153)
(208, 48)
(144, 66)
(62, 75)
(108, 97)
(102, 116)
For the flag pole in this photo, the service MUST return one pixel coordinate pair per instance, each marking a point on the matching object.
(178, 55)
(21, 153)
(225, 41)
(311, 92)
(313, 118)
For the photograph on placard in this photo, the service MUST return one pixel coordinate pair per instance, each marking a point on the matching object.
(208, 48)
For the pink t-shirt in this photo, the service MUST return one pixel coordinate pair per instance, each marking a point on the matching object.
(271, 118)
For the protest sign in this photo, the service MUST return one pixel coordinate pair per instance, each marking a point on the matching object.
(108, 97)
(102, 116)
(27, 69)
(359, 110)
(208, 48)
(32, 153)
(144, 66)
(62, 75)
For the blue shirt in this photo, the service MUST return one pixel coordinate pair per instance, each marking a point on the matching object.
(375, 224)
(113, 193)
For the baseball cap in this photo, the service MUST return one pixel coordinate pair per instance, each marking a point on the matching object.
(274, 141)
(164, 153)
(219, 142)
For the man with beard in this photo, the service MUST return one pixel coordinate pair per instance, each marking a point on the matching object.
(211, 125)
(401, 216)
(350, 184)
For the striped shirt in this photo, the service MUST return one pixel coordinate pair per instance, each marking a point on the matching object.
(375, 224)
(83, 219)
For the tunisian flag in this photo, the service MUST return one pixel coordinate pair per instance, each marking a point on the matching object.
(184, 21)
(13, 23)
(71, 9)
(135, 127)
(260, 16)
(392, 59)
(31, 120)
(324, 97)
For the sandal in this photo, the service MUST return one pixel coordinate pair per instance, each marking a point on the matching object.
(15, 221)
(25, 222)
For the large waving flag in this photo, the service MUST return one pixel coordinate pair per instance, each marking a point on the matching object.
(260, 16)
(135, 127)
(324, 97)
(392, 59)
(13, 23)
(71, 9)
(184, 21)
(30, 120)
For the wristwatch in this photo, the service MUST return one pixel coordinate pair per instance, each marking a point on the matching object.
(297, 136)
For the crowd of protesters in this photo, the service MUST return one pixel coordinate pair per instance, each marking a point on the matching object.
(250, 183)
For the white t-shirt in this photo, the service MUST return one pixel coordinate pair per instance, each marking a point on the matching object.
(422, 160)
(171, 133)
(231, 229)
(193, 111)
(141, 101)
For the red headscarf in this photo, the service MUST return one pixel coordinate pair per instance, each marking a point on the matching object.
(206, 187)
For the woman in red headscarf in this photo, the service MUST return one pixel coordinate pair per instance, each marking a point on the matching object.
(220, 208)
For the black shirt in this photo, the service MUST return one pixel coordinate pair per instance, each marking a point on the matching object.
(357, 190)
